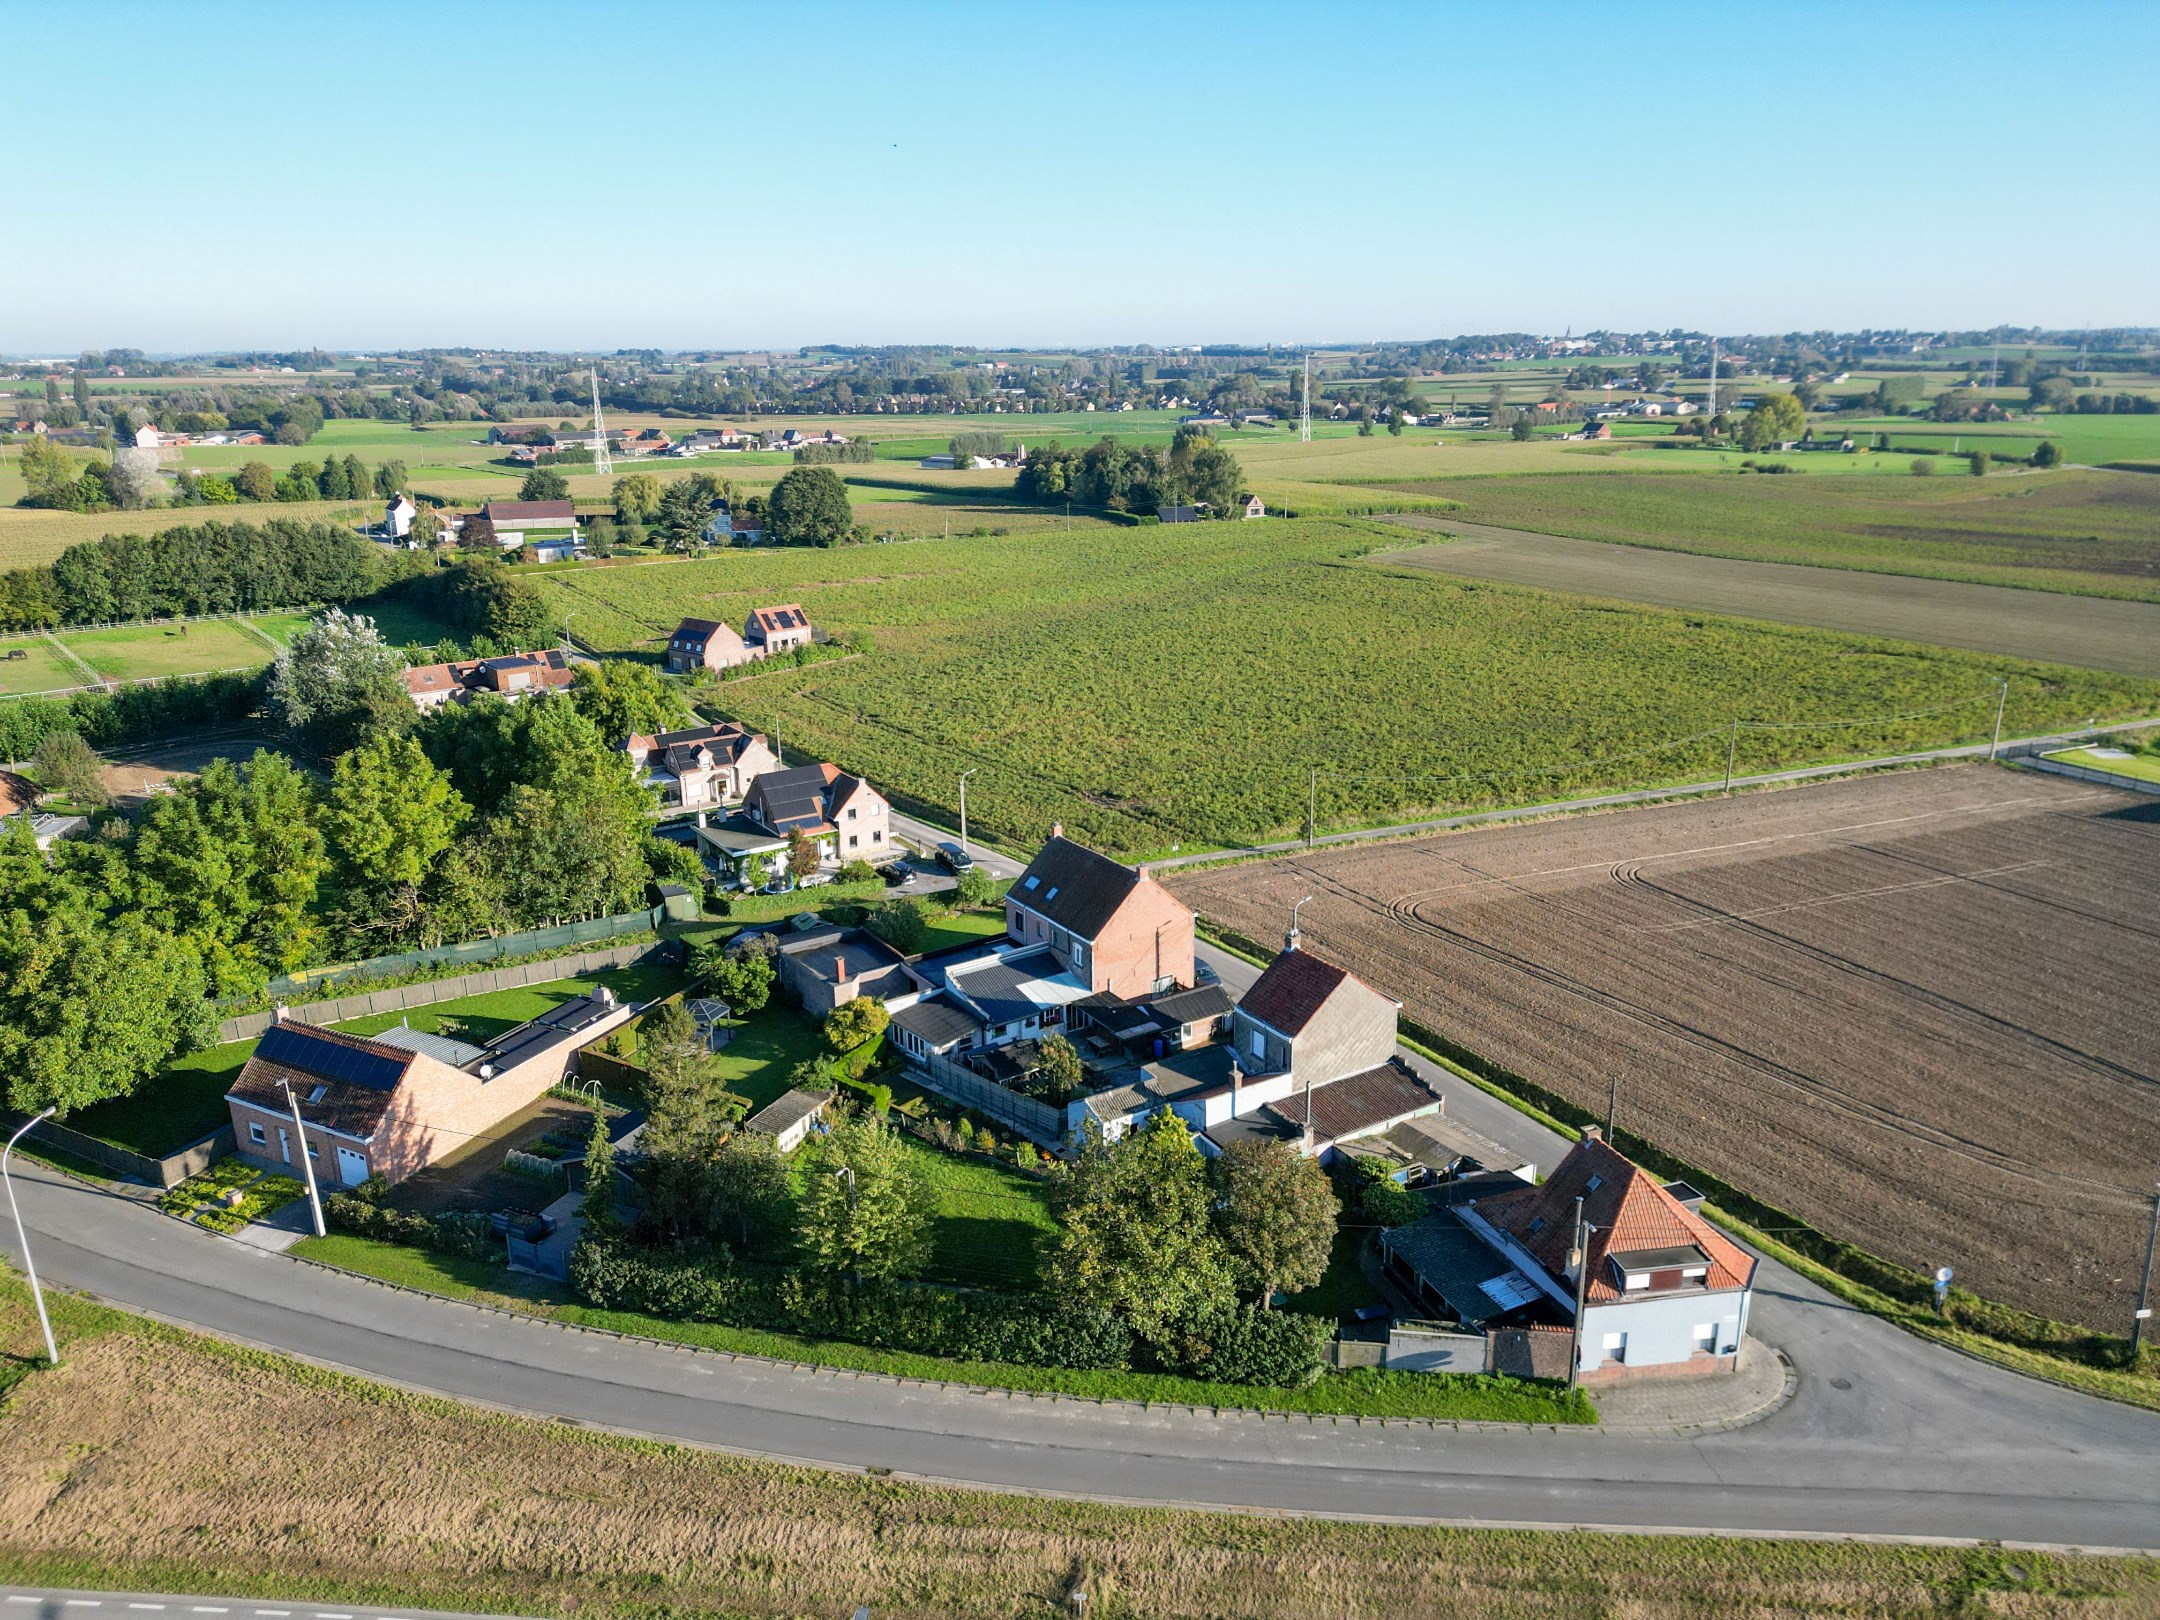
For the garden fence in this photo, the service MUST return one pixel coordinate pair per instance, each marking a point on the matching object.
(528, 943)
(167, 1172)
(397, 998)
(1039, 1122)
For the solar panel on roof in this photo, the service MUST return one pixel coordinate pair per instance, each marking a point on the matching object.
(297, 1047)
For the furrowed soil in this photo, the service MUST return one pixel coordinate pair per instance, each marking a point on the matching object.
(1915, 1010)
(157, 1461)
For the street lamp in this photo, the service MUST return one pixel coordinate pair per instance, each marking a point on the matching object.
(307, 1164)
(22, 1237)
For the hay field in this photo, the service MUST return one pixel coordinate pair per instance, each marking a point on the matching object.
(150, 1461)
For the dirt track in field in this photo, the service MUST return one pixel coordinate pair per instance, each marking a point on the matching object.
(1917, 1009)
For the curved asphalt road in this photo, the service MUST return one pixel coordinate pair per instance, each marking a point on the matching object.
(1918, 1442)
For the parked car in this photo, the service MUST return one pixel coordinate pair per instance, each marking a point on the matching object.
(955, 859)
(895, 873)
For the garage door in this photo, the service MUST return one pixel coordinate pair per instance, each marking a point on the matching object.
(352, 1167)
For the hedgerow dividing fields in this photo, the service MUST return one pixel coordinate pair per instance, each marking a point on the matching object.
(2089, 533)
(1171, 686)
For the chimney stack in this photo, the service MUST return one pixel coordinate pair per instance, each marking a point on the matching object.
(1237, 1085)
(1057, 829)
(839, 969)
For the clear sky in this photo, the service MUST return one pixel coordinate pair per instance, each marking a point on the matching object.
(1045, 171)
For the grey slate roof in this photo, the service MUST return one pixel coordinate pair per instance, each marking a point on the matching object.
(1195, 1006)
(937, 1021)
(1360, 1102)
(1074, 887)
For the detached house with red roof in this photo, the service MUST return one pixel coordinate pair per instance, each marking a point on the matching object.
(771, 630)
(1663, 1291)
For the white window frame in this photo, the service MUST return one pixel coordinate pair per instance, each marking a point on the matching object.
(257, 1135)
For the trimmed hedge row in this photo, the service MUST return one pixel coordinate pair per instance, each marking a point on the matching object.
(469, 1237)
(927, 1321)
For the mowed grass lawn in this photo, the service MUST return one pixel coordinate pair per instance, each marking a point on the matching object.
(2144, 767)
(1174, 685)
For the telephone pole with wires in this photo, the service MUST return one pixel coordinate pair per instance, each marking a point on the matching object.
(2143, 1313)
(2002, 697)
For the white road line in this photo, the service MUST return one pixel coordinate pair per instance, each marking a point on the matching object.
(279, 1613)
(204, 1608)
(146, 1605)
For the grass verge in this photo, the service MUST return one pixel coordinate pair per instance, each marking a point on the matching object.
(119, 1475)
(1359, 1393)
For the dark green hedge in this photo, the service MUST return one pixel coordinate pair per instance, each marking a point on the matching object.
(470, 1237)
(971, 1326)
(1242, 1346)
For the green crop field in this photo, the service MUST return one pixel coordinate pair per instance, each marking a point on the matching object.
(2090, 440)
(2091, 533)
(1169, 686)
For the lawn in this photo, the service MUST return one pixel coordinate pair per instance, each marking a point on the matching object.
(30, 535)
(481, 1018)
(1342, 1288)
(40, 669)
(993, 1227)
(2120, 762)
(1173, 686)
(954, 928)
(182, 1104)
(764, 1050)
(140, 652)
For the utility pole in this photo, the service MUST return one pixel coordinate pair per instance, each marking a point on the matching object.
(964, 775)
(22, 1238)
(307, 1164)
(2002, 696)
(1732, 749)
(1312, 808)
(1582, 1284)
(1612, 1105)
(2137, 1321)
(847, 1173)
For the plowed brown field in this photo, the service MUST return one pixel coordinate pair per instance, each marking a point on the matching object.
(1917, 1010)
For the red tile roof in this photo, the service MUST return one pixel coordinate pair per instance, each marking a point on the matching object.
(1628, 1210)
(787, 616)
(529, 512)
(1287, 995)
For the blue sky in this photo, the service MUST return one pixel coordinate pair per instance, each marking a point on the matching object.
(541, 175)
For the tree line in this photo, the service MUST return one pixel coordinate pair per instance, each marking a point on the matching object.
(1192, 471)
(204, 568)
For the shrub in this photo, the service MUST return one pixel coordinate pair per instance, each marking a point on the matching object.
(970, 1326)
(1238, 1345)
(468, 1236)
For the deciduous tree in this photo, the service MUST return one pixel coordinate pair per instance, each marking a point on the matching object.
(1137, 1237)
(390, 813)
(544, 484)
(70, 767)
(809, 507)
(855, 1022)
(1776, 419)
(866, 1204)
(1275, 1214)
(336, 681)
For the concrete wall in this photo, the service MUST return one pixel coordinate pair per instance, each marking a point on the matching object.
(169, 1171)
(1411, 1348)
